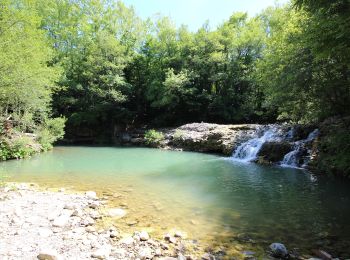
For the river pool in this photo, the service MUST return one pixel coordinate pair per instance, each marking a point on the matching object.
(224, 204)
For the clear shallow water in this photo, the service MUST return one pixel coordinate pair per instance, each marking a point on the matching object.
(221, 202)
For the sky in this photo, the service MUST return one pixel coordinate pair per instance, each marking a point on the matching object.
(194, 13)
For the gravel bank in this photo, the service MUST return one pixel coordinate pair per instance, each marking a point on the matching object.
(36, 224)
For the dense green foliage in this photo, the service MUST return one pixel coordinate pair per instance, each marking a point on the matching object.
(153, 137)
(27, 79)
(103, 68)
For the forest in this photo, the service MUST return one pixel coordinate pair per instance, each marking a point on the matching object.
(94, 64)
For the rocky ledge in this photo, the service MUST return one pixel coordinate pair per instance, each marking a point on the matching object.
(199, 137)
(57, 225)
(264, 144)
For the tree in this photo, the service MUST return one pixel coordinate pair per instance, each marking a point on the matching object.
(26, 78)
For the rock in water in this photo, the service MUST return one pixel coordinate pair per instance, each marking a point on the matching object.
(116, 213)
(91, 194)
(278, 250)
(144, 236)
(322, 254)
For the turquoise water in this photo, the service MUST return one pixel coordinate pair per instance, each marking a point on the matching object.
(216, 200)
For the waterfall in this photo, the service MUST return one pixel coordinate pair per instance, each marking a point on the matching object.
(299, 156)
(292, 159)
(248, 150)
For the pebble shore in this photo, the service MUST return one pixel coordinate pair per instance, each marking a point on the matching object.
(41, 224)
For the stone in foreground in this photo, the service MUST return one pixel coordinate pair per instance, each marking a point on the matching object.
(278, 250)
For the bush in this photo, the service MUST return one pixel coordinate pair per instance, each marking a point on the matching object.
(16, 148)
(153, 137)
(178, 135)
(334, 147)
(52, 131)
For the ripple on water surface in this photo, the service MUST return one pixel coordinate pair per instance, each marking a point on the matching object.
(216, 200)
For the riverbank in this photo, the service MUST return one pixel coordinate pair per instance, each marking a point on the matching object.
(56, 225)
(38, 224)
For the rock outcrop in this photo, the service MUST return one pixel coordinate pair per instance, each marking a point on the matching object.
(199, 137)
(288, 145)
(273, 152)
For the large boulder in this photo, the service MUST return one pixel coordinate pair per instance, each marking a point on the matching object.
(273, 152)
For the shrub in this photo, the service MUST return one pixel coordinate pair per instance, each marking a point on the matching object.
(153, 137)
(16, 148)
(178, 135)
(52, 131)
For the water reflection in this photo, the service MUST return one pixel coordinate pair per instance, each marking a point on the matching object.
(225, 199)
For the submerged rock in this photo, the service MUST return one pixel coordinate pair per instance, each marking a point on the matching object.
(91, 194)
(278, 250)
(322, 254)
(116, 213)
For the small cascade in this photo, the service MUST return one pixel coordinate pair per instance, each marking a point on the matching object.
(299, 156)
(294, 158)
(249, 150)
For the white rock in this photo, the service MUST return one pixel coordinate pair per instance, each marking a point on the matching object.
(67, 212)
(90, 229)
(145, 253)
(116, 213)
(61, 221)
(144, 236)
(94, 215)
(69, 206)
(53, 215)
(88, 221)
(113, 233)
(158, 252)
(102, 253)
(94, 204)
(127, 241)
(44, 232)
(91, 195)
